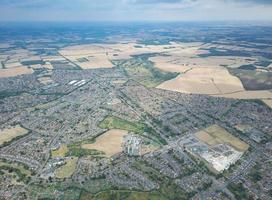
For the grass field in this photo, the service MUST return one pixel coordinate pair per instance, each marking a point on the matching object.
(61, 152)
(112, 122)
(110, 142)
(214, 135)
(9, 134)
(254, 80)
(68, 169)
(143, 71)
(123, 195)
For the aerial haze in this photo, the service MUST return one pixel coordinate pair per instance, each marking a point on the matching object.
(135, 10)
(135, 100)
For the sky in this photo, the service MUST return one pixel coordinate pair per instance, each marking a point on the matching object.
(135, 10)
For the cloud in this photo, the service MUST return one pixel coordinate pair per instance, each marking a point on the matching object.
(126, 10)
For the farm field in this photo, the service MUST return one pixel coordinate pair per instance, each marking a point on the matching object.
(268, 102)
(258, 94)
(214, 135)
(16, 71)
(212, 81)
(6, 135)
(110, 142)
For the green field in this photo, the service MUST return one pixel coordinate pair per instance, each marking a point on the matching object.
(112, 122)
(143, 71)
(123, 195)
(77, 151)
(253, 80)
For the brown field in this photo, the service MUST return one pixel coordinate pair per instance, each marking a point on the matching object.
(68, 169)
(268, 102)
(211, 80)
(101, 55)
(214, 135)
(8, 134)
(15, 71)
(110, 142)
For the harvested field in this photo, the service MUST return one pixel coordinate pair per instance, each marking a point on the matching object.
(268, 102)
(8, 134)
(214, 135)
(61, 152)
(259, 94)
(110, 142)
(164, 63)
(101, 55)
(212, 81)
(68, 169)
(15, 71)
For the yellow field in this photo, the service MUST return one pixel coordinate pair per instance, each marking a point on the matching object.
(264, 95)
(8, 134)
(68, 169)
(110, 142)
(214, 135)
(210, 80)
(60, 152)
(15, 71)
(268, 102)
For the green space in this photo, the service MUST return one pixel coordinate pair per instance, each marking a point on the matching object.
(112, 122)
(123, 195)
(5, 94)
(167, 191)
(33, 62)
(20, 172)
(143, 71)
(76, 151)
(255, 174)
(82, 60)
(253, 80)
(239, 191)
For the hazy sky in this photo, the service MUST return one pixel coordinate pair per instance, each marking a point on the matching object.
(135, 10)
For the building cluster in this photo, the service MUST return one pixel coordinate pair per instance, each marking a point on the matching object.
(132, 145)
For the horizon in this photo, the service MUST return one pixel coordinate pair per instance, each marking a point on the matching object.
(135, 10)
